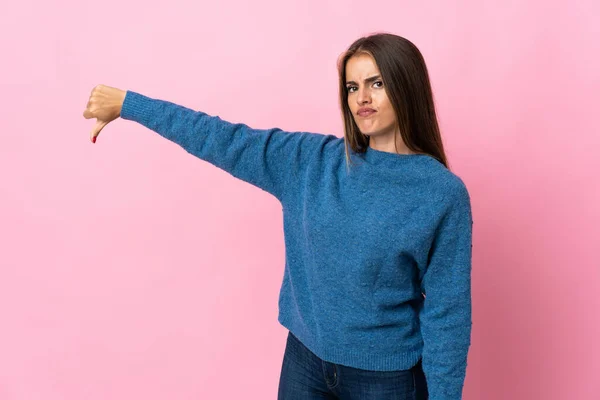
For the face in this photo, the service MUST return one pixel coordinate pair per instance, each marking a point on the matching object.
(366, 89)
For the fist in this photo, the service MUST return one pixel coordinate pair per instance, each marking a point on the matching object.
(105, 105)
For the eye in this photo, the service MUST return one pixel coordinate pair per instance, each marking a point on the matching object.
(349, 88)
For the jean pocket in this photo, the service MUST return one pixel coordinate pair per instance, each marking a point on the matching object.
(379, 384)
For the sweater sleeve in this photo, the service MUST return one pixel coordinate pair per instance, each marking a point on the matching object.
(267, 158)
(446, 314)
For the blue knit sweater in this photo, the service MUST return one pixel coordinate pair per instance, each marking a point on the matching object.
(364, 243)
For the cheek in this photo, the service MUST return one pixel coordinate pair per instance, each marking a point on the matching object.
(383, 102)
(390, 113)
(388, 119)
(387, 113)
(388, 110)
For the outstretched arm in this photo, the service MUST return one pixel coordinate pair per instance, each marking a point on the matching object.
(271, 159)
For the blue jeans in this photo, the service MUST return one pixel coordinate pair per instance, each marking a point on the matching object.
(304, 376)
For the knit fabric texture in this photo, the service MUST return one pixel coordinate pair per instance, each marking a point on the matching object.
(377, 253)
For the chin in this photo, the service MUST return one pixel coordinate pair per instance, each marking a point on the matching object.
(369, 133)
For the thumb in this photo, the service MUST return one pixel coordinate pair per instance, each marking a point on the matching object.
(97, 128)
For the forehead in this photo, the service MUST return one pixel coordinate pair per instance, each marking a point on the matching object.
(361, 66)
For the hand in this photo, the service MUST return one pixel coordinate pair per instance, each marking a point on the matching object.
(105, 105)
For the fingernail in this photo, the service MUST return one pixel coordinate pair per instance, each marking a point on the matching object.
(94, 139)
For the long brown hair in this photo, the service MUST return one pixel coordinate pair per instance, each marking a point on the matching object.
(406, 82)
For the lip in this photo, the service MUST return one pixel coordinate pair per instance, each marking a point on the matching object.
(365, 111)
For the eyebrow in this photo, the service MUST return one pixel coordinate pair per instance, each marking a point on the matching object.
(371, 79)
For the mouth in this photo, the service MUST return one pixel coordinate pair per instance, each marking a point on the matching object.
(366, 114)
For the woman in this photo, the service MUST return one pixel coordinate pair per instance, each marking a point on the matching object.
(376, 291)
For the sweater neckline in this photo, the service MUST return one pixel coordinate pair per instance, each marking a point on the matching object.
(385, 157)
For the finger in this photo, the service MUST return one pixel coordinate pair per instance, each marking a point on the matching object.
(87, 114)
(96, 89)
(96, 131)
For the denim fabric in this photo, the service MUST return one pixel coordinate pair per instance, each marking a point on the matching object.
(304, 376)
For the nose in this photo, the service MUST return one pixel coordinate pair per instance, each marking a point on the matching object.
(364, 96)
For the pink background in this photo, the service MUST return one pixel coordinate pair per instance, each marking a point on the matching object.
(133, 270)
